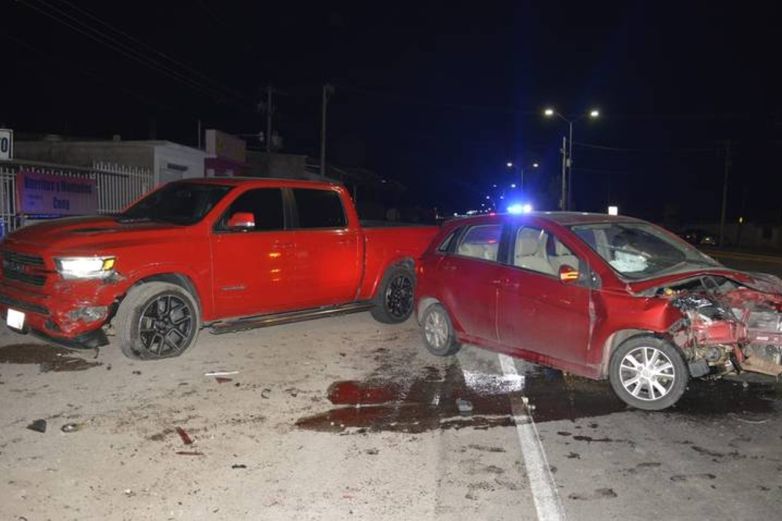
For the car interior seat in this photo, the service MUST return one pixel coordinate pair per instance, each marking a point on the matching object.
(530, 251)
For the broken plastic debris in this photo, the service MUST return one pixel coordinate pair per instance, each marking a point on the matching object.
(465, 407)
(189, 453)
(221, 373)
(239, 466)
(38, 426)
(265, 393)
(71, 427)
(222, 379)
(185, 438)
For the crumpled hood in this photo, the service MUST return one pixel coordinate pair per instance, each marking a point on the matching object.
(91, 234)
(763, 282)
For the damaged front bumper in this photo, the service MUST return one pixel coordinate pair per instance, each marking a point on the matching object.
(728, 328)
(71, 313)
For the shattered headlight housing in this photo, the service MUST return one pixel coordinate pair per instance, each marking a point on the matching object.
(85, 267)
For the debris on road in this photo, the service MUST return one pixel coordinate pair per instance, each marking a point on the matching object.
(464, 406)
(186, 439)
(265, 393)
(222, 379)
(38, 426)
(189, 453)
(221, 373)
(71, 427)
(239, 466)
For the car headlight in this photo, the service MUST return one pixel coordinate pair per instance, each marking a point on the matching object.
(85, 267)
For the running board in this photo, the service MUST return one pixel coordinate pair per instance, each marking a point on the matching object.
(276, 319)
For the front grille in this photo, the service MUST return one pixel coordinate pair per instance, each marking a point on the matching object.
(22, 306)
(23, 268)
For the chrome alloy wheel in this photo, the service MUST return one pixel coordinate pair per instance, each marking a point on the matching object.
(436, 330)
(647, 373)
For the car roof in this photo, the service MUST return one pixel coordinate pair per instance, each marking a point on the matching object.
(561, 218)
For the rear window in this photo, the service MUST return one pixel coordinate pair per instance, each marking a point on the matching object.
(319, 208)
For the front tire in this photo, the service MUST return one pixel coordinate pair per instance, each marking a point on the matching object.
(648, 373)
(157, 320)
(394, 300)
(439, 335)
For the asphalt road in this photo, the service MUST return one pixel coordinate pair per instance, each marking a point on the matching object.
(347, 418)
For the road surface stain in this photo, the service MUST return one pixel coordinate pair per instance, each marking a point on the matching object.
(433, 401)
(49, 358)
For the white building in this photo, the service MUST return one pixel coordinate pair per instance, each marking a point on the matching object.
(168, 161)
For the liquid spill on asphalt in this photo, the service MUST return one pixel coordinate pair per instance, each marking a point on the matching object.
(429, 402)
(50, 358)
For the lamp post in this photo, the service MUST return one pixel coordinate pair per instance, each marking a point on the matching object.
(567, 152)
(535, 164)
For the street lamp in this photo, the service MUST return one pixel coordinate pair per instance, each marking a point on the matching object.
(521, 170)
(567, 151)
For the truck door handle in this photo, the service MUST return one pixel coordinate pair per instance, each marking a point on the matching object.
(283, 245)
(449, 267)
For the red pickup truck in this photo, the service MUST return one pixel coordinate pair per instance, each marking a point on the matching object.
(229, 254)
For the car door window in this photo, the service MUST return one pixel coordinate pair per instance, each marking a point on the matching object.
(319, 208)
(537, 250)
(481, 242)
(264, 203)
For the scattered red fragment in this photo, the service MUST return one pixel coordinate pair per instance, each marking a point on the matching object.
(185, 438)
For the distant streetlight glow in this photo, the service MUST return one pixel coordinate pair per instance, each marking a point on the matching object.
(535, 165)
(509, 164)
(513, 185)
(594, 113)
(548, 112)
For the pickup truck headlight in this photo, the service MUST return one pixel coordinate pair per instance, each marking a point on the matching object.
(85, 267)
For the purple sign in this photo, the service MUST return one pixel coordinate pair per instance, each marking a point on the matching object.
(56, 195)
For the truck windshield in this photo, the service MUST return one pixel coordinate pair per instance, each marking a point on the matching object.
(177, 203)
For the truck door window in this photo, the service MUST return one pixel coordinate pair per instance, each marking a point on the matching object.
(319, 208)
(264, 203)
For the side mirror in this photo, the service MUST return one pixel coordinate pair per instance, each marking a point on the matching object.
(241, 221)
(568, 274)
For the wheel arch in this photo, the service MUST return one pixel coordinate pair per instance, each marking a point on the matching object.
(423, 305)
(175, 278)
(615, 340)
(404, 262)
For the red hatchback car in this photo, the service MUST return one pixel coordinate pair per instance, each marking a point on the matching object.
(598, 296)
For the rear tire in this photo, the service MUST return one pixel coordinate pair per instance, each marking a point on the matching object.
(157, 320)
(648, 373)
(394, 300)
(438, 332)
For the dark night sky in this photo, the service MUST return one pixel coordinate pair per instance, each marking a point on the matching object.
(438, 96)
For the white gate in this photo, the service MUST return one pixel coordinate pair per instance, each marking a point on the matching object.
(118, 186)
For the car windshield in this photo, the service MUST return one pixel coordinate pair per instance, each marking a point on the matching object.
(177, 203)
(640, 250)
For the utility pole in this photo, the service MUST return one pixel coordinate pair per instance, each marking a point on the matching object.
(269, 118)
(728, 164)
(563, 196)
(328, 90)
(569, 204)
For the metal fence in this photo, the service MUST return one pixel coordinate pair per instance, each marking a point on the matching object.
(118, 186)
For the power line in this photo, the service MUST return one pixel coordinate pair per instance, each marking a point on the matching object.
(123, 49)
(155, 50)
(650, 150)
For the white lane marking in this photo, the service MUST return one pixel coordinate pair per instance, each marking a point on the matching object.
(541, 481)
